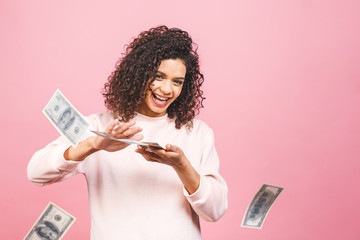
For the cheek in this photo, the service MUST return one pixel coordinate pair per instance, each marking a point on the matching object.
(148, 96)
(155, 84)
(178, 91)
(149, 90)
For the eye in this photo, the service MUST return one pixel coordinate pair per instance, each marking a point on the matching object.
(178, 82)
(159, 77)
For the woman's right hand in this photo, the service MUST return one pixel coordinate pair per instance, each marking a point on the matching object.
(124, 131)
(94, 144)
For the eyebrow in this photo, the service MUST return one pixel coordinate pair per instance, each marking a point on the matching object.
(177, 78)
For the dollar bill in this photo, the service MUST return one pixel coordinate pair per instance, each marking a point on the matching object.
(129, 141)
(51, 225)
(260, 205)
(66, 119)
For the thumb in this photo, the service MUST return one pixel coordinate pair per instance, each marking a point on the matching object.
(172, 148)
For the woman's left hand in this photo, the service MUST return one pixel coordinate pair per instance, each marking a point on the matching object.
(172, 155)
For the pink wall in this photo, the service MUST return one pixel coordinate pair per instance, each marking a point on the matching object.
(283, 94)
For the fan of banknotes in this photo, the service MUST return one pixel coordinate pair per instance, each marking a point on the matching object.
(129, 141)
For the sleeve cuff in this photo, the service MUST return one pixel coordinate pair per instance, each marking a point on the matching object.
(61, 163)
(199, 196)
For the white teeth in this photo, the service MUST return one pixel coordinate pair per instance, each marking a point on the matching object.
(161, 98)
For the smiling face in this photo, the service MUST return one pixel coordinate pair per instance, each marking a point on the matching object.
(166, 87)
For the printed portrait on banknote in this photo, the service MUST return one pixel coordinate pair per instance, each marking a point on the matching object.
(66, 119)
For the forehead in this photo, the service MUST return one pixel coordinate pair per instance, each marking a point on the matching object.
(173, 67)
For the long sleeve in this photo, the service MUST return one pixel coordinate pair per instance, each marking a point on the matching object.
(48, 164)
(210, 200)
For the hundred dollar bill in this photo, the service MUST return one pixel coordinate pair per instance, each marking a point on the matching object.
(51, 225)
(260, 205)
(129, 141)
(66, 119)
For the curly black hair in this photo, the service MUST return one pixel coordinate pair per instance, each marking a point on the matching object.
(125, 90)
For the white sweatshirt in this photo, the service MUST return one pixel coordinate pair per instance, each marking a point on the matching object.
(131, 198)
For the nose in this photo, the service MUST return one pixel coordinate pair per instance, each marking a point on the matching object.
(166, 87)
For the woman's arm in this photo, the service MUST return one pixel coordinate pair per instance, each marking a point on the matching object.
(82, 150)
(174, 157)
(59, 160)
(206, 189)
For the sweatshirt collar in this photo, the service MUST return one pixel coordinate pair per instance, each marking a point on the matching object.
(140, 116)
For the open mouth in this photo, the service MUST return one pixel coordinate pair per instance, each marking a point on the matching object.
(159, 100)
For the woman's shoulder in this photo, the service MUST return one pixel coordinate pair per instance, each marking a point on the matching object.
(200, 126)
(201, 131)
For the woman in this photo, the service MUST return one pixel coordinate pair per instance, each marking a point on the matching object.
(153, 95)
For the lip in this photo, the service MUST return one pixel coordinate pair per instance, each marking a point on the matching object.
(157, 102)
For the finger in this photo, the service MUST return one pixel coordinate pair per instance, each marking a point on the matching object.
(158, 151)
(139, 150)
(168, 149)
(111, 126)
(170, 152)
(123, 127)
(172, 148)
(127, 125)
(137, 137)
(128, 133)
(144, 155)
(149, 156)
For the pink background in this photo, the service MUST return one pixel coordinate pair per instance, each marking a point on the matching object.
(282, 87)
